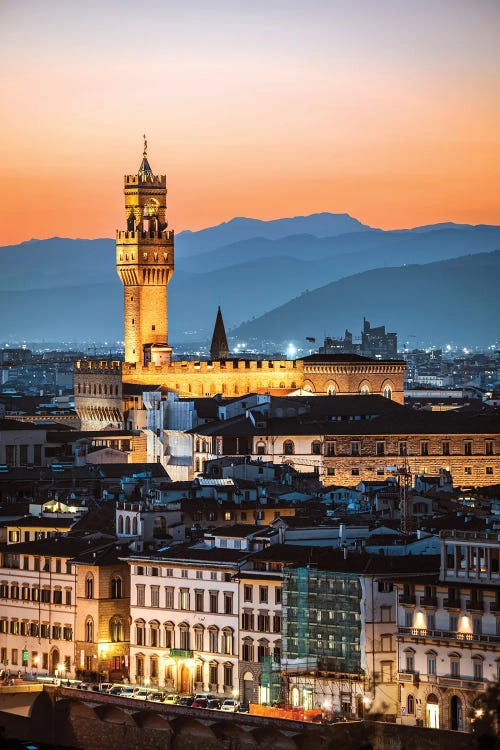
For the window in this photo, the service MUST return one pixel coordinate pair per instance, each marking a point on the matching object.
(140, 633)
(455, 666)
(410, 705)
(184, 599)
(247, 621)
(169, 635)
(380, 448)
(89, 630)
(213, 598)
(446, 448)
(198, 601)
(431, 664)
(488, 447)
(409, 662)
(185, 637)
(57, 596)
(227, 641)
(115, 630)
(213, 573)
(431, 621)
(278, 595)
(386, 643)
(355, 448)
(277, 624)
(478, 669)
(263, 623)
(198, 638)
(477, 625)
(453, 623)
(139, 666)
(489, 470)
(155, 596)
(329, 448)
(141, 598)
(288, 448)
(403, 448)
(116, 588)
(424, 448)
(263, 594)
(213, 640)
(247, 593)
(199, 575)
(385, 614)
(330, 471)
(247, 651)
(89, 587)
(261, 449)
(228, 604)
(213, 673)
(388, 391)
(228, 675)
(169, 597)
(316, 448)
(468, 471)
(14, 656)
(467, 448)
(408, 618)
(355, 472)
(184, 573)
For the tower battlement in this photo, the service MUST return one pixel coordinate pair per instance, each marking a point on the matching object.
(159, 180)
(125, 237)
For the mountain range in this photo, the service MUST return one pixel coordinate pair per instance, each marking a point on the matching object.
(249, 267)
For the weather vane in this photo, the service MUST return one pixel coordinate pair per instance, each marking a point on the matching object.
(145, 145)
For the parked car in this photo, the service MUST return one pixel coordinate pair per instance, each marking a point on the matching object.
(116, 690)
(83, 686)
(199, 703)
(129, 692)
(186, 701)
(230, 705)
(141, 695)
(172, 699)
(214, 704)
(105, 687)
(155, 697)
(202, 695)
(243, 708)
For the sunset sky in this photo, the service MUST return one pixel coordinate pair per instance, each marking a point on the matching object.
(384, 109)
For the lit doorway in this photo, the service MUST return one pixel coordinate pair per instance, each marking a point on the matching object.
(432, 712)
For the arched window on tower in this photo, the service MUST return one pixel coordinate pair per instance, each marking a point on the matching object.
(388, 392)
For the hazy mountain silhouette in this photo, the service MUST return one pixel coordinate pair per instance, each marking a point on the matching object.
(75, 291)
(452, 300)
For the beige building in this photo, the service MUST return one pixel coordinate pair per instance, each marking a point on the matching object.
(102, 630)
(449, 633)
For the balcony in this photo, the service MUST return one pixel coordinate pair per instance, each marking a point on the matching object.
(451, 604)
(407, 599)
(454, 682)
(412, 677)
(448, 635)
(428, 601)
(474, 605)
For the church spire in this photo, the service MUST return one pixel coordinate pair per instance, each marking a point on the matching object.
(219, 348)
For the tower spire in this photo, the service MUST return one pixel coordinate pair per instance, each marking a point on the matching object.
(219, 348)
(145, 172)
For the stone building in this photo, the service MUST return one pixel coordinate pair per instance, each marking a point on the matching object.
(448, 632)
(145, 264)
(102, 630)
(349, 440)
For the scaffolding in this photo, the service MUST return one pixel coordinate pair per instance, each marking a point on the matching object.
(321, 661)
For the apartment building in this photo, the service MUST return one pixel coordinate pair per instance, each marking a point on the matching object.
(449, 633)
(185, 611)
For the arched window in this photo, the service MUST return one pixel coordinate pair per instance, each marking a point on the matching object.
(169, 634)
(213, 639)
(388, 392)
(184, 636)
(140, 633)
(127, 525)
(199, 631)
(197, 466)
(115, 630)
(227, 641)
(89, 630)
(120, 524)
(260, 448)
(116, 587)
(365, 390)
(134, 526)
(410, 705)
(154, 633)
(331, 390)
(288, 448)
(316, 448)
(247, 649)
(89, 587)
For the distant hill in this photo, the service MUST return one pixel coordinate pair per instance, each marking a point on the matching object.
(439, 302)
(74, 290)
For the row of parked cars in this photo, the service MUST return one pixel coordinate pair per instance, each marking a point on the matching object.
(200, 700)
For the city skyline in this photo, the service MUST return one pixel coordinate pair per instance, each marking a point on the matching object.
(384, 112)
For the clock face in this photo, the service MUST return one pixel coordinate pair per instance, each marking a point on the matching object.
(151, 207)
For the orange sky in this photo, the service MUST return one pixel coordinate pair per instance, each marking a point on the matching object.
(384, 109)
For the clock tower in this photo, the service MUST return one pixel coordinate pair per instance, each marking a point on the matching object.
(145, 264)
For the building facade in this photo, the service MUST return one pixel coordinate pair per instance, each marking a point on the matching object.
(449, 633)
